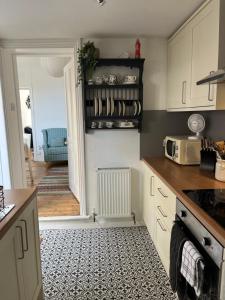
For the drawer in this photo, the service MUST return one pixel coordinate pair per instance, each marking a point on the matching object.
(162, 241)
(165, 198)
(166, 219)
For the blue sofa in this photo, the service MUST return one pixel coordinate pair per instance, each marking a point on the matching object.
(55, 147)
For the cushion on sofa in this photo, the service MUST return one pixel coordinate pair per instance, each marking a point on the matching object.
(57, 142)
(57, 150)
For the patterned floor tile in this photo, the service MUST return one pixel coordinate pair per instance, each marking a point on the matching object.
(102, 264)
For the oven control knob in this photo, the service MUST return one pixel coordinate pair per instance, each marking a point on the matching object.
(206, 241)
(183, 214)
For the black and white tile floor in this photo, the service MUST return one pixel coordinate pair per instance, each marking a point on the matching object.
(97, 264)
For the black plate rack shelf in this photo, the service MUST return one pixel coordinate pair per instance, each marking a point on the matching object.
(114, 106)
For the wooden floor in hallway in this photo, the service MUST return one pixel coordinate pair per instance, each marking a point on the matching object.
(54, 197)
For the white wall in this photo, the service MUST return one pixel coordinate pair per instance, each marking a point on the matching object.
(155, 74)
(47, 98)
(25, 111)
(121, 148)
(5, 176)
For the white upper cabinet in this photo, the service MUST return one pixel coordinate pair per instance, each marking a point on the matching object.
(193, 52)
(179, 70)
(205, 33)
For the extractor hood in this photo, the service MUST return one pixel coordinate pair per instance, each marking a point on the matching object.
(214, 77)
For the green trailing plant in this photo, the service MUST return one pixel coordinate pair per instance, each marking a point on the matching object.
(87, 60)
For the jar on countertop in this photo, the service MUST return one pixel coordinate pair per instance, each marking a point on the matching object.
(220, 170)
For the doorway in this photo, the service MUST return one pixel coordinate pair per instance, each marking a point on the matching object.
(46, 126)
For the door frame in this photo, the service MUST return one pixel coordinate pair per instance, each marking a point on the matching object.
(11, 54)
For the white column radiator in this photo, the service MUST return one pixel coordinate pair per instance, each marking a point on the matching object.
(114, 192)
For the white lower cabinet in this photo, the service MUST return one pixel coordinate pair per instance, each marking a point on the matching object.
(159, 211)
(20, 269)
(149, 204)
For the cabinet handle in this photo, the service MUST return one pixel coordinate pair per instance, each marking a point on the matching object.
(25, 223)
(161, 192)
(209, 91)
(184, 92)
(151, 186)
(160, 224)
(21, 237)
(161, 211)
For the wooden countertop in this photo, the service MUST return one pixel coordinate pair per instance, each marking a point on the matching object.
(21, 198)
(179, 178)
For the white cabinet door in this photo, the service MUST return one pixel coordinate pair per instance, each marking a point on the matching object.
(148, 205)
(205, 32)
(162, 236)
(9, 268)
(31, 244)
(179, 70)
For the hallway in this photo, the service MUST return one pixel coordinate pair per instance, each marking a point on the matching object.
(54, 195)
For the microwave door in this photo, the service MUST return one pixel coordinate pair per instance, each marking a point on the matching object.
(170, 148)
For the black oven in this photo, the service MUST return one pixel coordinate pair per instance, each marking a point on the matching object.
(210, 249)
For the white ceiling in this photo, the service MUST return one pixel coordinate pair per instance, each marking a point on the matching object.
(37, 19)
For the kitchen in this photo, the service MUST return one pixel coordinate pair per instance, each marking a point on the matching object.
(168, 189)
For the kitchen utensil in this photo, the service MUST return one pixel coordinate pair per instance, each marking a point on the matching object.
(105, 78)
(130, 79)
(98, 80)
(126, 124)
(109, 124)
(112, 79)
(96, 106)
(208, 155)
(93, 124)
(90, 82)
(100, 124)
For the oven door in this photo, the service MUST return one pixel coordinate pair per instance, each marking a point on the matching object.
(212, 273)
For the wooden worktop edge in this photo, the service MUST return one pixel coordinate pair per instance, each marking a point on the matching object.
(8, 221)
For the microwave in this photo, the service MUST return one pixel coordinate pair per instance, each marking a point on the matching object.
(183, 150)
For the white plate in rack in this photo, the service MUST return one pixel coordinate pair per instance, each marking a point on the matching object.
(112, 106)
(119, 108)
(99, 106)
(107, 106)
(135, 107)
(139, 108)
(96, 106)
(124, 108)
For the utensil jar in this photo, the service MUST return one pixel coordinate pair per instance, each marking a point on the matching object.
(220, 170)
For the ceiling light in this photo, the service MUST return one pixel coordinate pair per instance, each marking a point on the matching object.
(101, 2)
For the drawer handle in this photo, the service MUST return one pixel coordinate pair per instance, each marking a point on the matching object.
(183, 100)
(210, 98)
(151, 186)
(161, 192)
(25, 223)
(160, 224)
(21, 238)
(161, 211)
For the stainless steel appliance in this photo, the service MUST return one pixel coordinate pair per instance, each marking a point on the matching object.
(214, 77)
(211, 250)
(182, 150)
